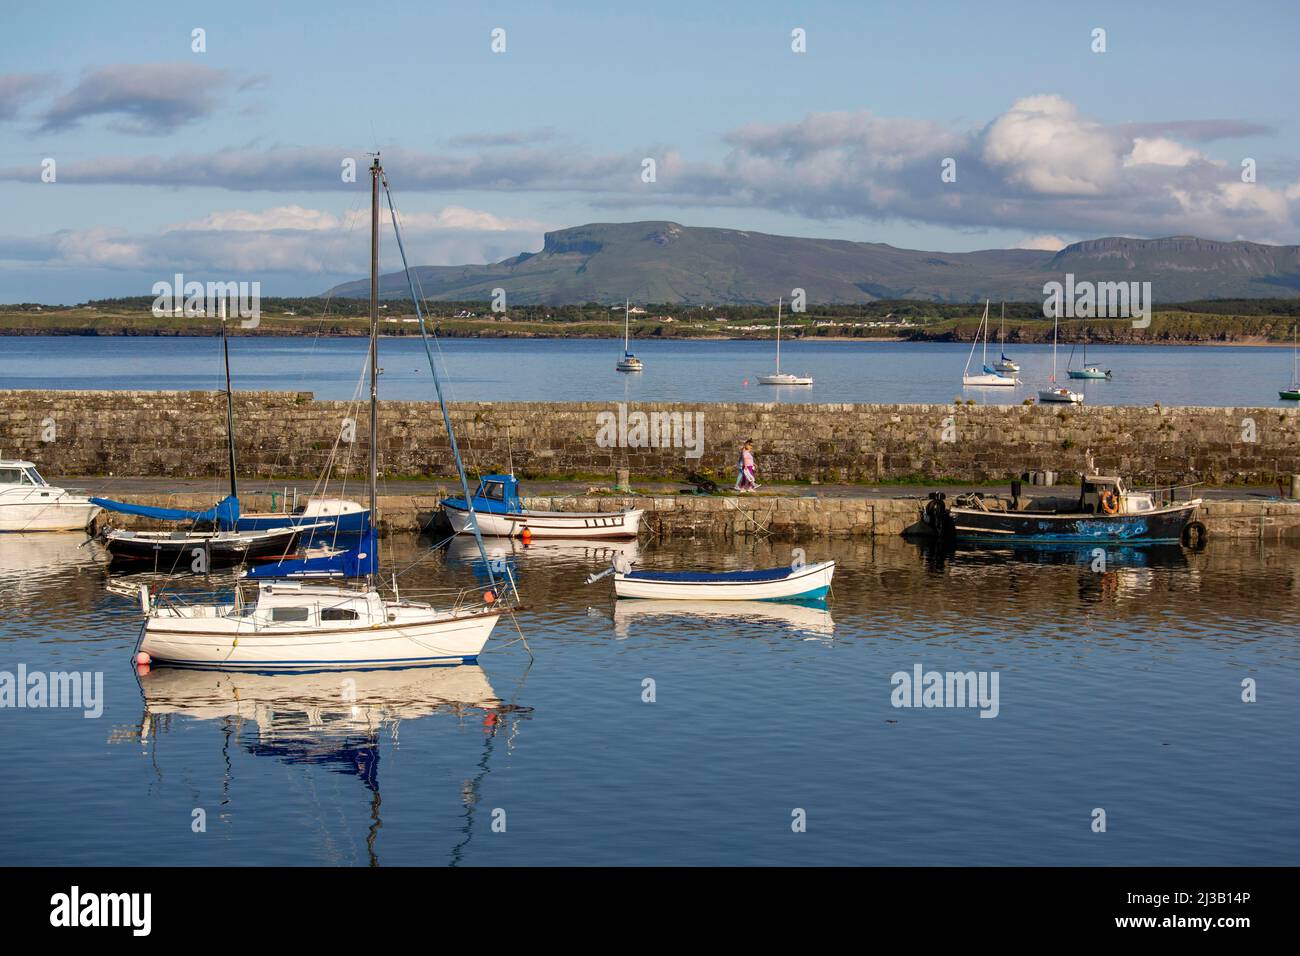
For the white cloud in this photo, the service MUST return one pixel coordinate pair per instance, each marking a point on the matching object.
(1044, 242)
(1159, 151)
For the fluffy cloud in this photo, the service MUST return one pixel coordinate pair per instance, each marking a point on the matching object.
(142, 98)
(1043, 242)
(18, 89)
(1041, 167)
(260, 244)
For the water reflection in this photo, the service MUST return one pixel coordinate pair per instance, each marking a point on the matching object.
(749, 617)
(331, 721)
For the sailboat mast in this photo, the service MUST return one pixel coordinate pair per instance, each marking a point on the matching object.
(230, 405)
(779, 300)
(984, 324)
(627, 320)
(375, 170)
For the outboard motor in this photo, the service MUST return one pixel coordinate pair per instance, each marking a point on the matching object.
(1015, 494)
(936, 515)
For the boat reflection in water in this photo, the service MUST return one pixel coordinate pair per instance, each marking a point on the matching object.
(1109, 572)
(810, 621)
(507, 554)
(333, 720)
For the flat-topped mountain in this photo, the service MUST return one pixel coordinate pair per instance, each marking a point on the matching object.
(665, 262)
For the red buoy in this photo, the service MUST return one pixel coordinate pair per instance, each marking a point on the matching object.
(526, 536)
(143, 659)
(489, 597)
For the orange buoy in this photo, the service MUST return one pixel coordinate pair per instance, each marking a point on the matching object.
(489, 597)
(143, 659)
(526, 536)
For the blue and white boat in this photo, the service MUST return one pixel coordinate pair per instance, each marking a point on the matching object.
(500, 512)
(805, 582)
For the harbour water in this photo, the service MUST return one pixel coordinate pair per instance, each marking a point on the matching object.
(676, 370)
(1119, 688)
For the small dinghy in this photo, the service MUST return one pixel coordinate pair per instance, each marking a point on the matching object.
(796, 582)
(500, 513)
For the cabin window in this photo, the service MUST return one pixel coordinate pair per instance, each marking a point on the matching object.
(34, 478)
(493, 491)
(290, 613)
(338, 614)
(10, 476)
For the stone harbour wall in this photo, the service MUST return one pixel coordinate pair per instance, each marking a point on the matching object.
(292, 435)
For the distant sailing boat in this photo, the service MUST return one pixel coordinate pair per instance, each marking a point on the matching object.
(1292, 393)
(1004, 364)
(629, 362)
(1088, 371)
(1054, 394)
(990, 375)
(782, 378)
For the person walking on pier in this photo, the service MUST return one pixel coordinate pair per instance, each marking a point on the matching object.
(745, 468)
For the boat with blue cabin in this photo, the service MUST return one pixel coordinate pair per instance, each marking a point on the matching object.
(501, 513)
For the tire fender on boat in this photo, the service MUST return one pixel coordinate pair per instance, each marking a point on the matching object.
(1193, 535)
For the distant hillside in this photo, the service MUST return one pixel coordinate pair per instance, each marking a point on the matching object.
(664, 262)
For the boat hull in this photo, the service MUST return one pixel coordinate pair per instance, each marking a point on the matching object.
(1062, 397)
(452, 639)
(167, 552)
(19, 518)
(353, 523)
(811, 582)
(548, 524)
(1000, 381)
(1163, 526)
(784, 380)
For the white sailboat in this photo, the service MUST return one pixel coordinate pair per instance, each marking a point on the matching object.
(1004, 364)
(1292, 393)
(296, 625)
(1056, 394)
(989, 376)
(782, 378)
(629, 362)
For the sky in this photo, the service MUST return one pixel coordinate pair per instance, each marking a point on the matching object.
(126, 155)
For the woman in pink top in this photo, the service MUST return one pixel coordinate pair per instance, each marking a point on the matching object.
(746, 468)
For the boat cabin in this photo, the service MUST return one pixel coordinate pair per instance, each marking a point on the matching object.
(1103, 494)
(498, 494)
(22, 473)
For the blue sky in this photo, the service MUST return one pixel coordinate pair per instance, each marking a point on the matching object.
(222, 164)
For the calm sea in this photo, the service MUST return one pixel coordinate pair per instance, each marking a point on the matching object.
(1118, 691)
(687, 371)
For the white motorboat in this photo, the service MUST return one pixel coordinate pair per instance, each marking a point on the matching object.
(782, 378)
(498, 509)
(990, 376)
(297, 625)
(29, 503)
(629, 362)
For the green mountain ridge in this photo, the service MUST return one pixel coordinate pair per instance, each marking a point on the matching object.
(666, 262)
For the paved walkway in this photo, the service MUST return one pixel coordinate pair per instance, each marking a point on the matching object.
(216, 486)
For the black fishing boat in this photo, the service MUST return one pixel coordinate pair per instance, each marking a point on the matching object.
(170, 551)
(1104, 511)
